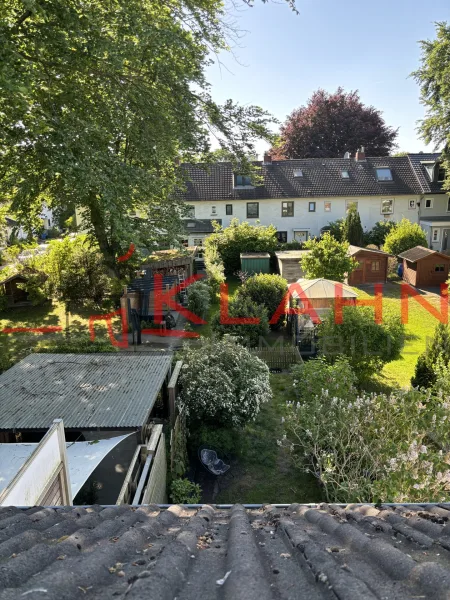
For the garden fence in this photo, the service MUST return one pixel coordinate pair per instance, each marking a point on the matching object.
(278, 358)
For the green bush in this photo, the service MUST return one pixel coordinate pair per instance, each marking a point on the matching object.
(327, 258)
(199, 298)
(225, 440)
(437, 351)
(336, 229)
(75, 344)
(294, 245)
(214, 269)
(367, 345)
(183, 491)
(377, 235)
(231, 241)
(353, 231)
(248, 334)
(403, 236)
(222, 384)
(266, 290)
(315, 375)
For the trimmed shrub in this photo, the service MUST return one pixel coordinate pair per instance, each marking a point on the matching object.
(248, 334)
(266, 290)
(353, 231)
(199, 298)
(403, 236)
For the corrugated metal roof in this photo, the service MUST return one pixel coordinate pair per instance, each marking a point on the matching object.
(86, 390)
(300, 552)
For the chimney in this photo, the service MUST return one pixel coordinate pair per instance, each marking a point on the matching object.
(267, 159)
(360, 154)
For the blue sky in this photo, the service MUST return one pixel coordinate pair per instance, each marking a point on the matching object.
(372, 47)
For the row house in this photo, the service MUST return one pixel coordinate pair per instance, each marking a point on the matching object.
(300, 197)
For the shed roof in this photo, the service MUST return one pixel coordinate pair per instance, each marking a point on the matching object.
(255, 255)
(291, 254)
(352, 250)
(312, 552)
(323, 288)
(13, 277)
(88, 391)
(419, 252)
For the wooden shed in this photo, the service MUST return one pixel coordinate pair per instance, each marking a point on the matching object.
(14, 294)
(372, 265)
(289, 264)
(424, 267)
(321, 293)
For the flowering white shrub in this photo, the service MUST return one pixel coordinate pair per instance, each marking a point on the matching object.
(373, 447)
(222, 383)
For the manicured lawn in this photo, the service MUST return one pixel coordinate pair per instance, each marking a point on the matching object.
(421, 325)
(263, 472)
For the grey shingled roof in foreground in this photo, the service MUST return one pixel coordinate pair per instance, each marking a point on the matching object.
(324, 552)
(419, 252)
(85, 390)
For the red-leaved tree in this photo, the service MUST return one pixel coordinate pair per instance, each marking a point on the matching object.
(332, 124)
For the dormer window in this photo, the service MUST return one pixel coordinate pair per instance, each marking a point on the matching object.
(345, 175)
(441, 173)
(242, 181)
(430, 169)
(298, 173)
(384, 174)
(190, 224)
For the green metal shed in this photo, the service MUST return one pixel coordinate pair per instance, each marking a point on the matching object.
(255, 262)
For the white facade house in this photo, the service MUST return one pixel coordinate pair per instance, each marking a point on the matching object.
(300, 197)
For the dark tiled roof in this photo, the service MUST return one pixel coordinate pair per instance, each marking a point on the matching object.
(427, 186)
(200, 225)
(419, 252)
(326, 552)
(321, 177)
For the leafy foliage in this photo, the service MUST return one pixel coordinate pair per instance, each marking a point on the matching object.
(231, 241)
(371, 448)
(183, 491)
(76, 344)
(222, 384)
(353, 231)
(97, 102)
(327, 258)
(403, 236)
(438, 351)
(265, 290)
(336, 229)
(366, 344)
(215, 271)
(199, 298)
(315, 375)
(377, 235)
(433, 77)
(248, 334)
(332, 124)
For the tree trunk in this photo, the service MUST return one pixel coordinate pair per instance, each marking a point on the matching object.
(106, 248)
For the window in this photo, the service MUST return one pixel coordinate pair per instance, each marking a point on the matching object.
(228, 209)
(375, 266)
(242, 180)
(441, 174)
(190, 224)
(448, 205)
(190, 212)
(411, 204)
(429, 167)
(282, 237)
(384, 174)
(252, 210)
(300, 236)
(198, 241)
(312, 207)
(287, 209)
(435, 237)
(387, 206)
(428, 202)
(345, 175)
(298, 173)
(327, 206)
(213, 210)
(439, 268)
(348, 203)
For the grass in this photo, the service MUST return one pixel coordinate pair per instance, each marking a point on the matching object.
(264, 473)
(420, 327)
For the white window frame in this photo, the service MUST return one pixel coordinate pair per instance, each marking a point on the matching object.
(438, 237)
(298, 173)
(214, 210)
(288, 203)
(391, 211)
(414, 204)
(297, 231)
(325, 204)
(345, 174)
(312, 202)
(198, 241)
(384, 169)
(431, 203)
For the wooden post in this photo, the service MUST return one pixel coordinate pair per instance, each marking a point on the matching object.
(172, 391)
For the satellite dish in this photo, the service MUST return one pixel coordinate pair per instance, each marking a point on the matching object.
(347, 155)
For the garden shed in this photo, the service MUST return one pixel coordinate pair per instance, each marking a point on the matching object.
(289, 264)
(372, 265)
(255, 262)
(15, 296)
(424, 267)
(171, 262)
(321, 293)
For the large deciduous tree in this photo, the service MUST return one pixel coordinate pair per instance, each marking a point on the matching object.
(98, 99)
(332, 124)
(433, 76)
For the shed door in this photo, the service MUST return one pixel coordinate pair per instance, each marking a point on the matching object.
(358, 274)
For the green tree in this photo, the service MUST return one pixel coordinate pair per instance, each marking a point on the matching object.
(328, 258)
(353, 231)
(98, 100)
(336, 229)
(367, 345)
(230, 241)
(266, 290)
(437, 351)
(377, 235)
(433, 76)
(243, 307)
(403, 236)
